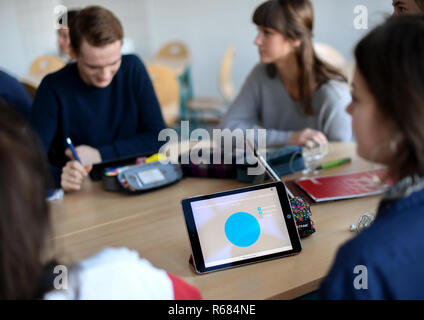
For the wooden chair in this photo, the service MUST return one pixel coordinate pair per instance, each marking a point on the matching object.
(46, 64)
(226, 84)
(212, 109)
(167, 90)
(173, 50)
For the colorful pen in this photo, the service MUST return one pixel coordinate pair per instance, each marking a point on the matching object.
(334, 163)
(71, 146)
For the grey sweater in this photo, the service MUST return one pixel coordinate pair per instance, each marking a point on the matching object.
(264, 102)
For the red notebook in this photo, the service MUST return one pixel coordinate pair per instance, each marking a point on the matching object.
(343, 186)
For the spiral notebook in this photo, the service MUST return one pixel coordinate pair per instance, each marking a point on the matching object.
(344, 186)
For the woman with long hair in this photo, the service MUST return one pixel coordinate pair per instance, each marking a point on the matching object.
(292, 93)
(385, 261)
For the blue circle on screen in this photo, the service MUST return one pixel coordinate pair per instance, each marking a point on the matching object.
(242, 229)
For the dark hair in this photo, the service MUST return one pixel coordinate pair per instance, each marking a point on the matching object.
(294, 19)
(97, 25)
(390, 58)
(420, 3)
(24, 221)
(71, 14)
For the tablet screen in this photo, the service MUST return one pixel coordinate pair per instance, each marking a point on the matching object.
(241, 226)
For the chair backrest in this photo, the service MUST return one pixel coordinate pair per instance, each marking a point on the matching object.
(174, 49)
(167, 90)
(46, 64)
(329, 55)
(334, 58)
(226, 84)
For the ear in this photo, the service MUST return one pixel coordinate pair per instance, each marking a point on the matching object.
(396, 141)
(296, 43)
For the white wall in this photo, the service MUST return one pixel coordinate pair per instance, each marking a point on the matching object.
(207, 27)
(132, 14)
(10, 44)
(334, 21)
(26, 32)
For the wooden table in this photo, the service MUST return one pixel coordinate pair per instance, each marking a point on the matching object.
(153, 224)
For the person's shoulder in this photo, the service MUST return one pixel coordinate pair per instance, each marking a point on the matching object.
(334, 90)
(400, 224)
(5, 77)
(258, 77)
(8, 83)
(117, 273)
(353, 251)
(116, 258)
(60, 77)
(133, 66)
(392, 242)
(130, 60)
(259, 70)
(109, 255)
(368, 245)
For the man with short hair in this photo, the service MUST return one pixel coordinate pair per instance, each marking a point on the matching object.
(104, 102)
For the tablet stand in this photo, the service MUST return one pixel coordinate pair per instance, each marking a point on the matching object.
(190, 262)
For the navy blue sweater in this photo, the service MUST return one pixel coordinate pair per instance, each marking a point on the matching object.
(121, 120)
(391, 249)
(15, 94)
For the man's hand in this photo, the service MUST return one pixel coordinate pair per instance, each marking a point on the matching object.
(73, 175)
(301, 138)
(88, 155)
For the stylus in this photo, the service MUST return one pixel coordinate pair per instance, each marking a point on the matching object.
(74, 152)
(272, 173)
(268, 168)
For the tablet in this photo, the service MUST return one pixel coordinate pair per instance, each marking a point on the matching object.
(239, 227)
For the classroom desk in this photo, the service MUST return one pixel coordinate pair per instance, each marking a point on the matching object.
(153, 224)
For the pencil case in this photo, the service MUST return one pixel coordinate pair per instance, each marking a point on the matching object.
(146, 175)
(285, 160)
(209, 169)
(302, 213)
